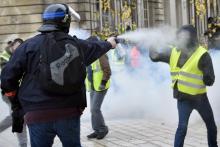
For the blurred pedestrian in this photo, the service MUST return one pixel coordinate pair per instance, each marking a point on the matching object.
(6, 54)
(7, 121)
(135, 56)
(98, 82)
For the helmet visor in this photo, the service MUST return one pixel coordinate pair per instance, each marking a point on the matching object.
(74, 13)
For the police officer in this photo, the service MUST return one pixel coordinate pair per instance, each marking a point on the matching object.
(191, 71)
(48, 114)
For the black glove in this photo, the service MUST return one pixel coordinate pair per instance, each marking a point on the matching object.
(17, 120)
(102, 85)
(17, 115)
(120, 40)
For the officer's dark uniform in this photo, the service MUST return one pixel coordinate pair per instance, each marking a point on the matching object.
(48, 115)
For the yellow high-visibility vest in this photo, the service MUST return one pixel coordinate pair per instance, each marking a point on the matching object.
(97, 75)
(5, 55)
(189, 78)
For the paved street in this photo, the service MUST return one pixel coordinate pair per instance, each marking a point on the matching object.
(131, 133)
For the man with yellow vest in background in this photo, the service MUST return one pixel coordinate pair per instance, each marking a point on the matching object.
(8, 120)
(97, 83)
(6, 54)
(191, 71)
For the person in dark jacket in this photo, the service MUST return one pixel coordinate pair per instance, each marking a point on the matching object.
(98, 83)
(191, 71)
(6, 54)
(48, 114)
(7, 121)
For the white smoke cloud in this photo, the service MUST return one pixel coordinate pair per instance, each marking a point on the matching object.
(4, 109)
(213, 91)
(147, 93)
(158, 38)
(79, 33)
(144, 93)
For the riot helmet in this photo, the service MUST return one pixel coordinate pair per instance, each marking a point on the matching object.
(57, 17)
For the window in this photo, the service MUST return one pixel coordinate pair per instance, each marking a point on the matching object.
(146, 13)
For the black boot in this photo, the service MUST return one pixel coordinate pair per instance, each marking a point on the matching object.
(101, 135)
(92, 135)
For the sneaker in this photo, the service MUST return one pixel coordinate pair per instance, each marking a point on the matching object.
(101, 135)
(92, 135)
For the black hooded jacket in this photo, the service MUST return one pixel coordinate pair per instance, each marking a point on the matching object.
(23, 65)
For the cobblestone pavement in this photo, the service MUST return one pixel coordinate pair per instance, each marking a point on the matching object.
(131, 133)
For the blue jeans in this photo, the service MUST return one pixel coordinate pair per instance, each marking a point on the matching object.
(203, 107)
(96, 99)
(68, 131)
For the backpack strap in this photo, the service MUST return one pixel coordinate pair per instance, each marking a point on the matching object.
(43, 51)
(74, 39)
(59, 36)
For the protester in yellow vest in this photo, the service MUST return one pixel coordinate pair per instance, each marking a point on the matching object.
(6, 54)
(191, 71)
(97, 83)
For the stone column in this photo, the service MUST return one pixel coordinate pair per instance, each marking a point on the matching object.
(140, 11)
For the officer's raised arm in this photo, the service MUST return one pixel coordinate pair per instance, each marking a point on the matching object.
(95, 49)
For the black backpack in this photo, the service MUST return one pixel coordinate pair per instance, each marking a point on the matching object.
(61, 67)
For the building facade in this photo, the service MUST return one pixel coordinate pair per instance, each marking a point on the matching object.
(195, 12)
(22, 18)
(116, 16)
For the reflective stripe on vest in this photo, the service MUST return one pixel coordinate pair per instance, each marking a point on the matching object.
(88, 84)
(5, 55)
(199, 77)
(97, 77)
(189, 78)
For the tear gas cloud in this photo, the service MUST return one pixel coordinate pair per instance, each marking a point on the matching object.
(157, 38)
(213, 92)
(146, 93)
(79, 33)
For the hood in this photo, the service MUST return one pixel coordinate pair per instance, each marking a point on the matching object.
(192, 39)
